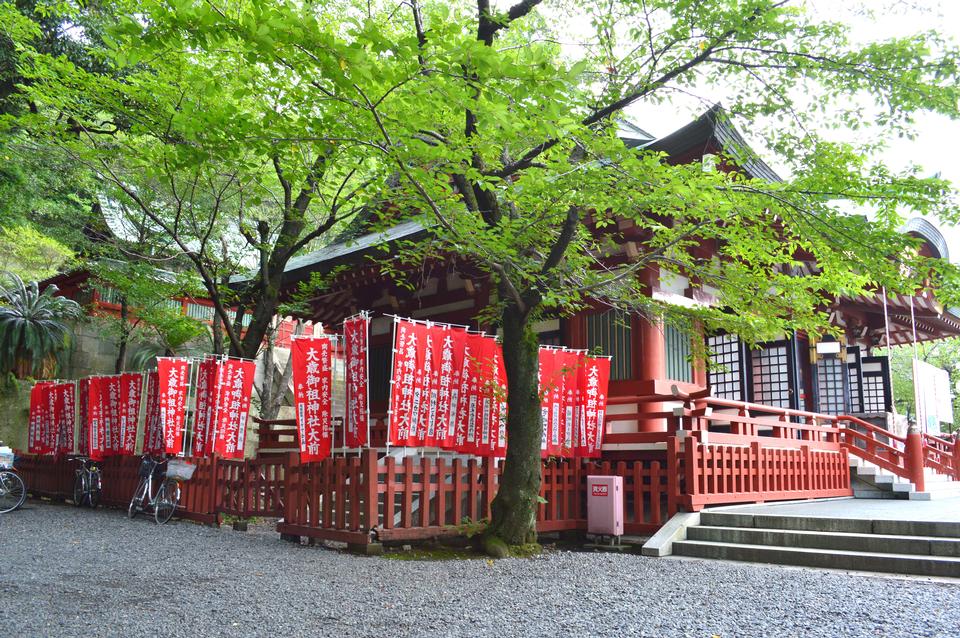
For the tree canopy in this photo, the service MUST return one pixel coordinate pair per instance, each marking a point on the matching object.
(255, 126)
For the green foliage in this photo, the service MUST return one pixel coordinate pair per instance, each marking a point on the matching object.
(154, 319)
(30, 254)
(33, 327)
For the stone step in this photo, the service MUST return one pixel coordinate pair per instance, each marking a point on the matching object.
(874, 543)
(861, 490)
(932, 491)
(837, 559)
(941, 529)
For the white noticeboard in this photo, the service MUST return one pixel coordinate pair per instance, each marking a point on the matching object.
(931, 390)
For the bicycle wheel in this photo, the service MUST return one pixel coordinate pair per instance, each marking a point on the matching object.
(78, 489)
(12, 492)
(167, 500)
(93, 490)
(136, 503)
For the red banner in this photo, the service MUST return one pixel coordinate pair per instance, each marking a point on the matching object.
(173, 383)
(131, 391)
(355, 345)
(152, 427)
(65, 434)
(405, 389)
(96, 430)
(447, 389)
(112, 412)
(448, 384)
(206, 407)
(466, 399)
(233, 389)
(594, 381)
(313, 383)
(83, 417)
(479, 397)
(37, 424)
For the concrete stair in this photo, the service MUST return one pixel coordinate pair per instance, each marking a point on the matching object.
(870, 481)
(925, 548)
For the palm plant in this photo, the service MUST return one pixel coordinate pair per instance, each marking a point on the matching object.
(33, 327)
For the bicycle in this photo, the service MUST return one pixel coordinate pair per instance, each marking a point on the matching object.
(87, 483)
(13, 492)
(164, 503)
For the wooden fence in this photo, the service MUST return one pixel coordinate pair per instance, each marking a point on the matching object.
(363, 498)
(713, 452)
(54, 477)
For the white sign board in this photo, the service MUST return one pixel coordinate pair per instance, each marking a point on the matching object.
(931, 390)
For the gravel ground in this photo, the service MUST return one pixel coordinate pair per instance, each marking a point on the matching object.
(70, 572)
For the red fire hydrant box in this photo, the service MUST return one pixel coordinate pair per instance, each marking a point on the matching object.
(605, 505)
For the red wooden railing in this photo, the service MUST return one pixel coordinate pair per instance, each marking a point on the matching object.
(253, 487)
(713, 451)
(942, 455)
(736, 452)
(358, 498)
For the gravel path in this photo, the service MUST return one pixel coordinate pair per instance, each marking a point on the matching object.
(69, 572)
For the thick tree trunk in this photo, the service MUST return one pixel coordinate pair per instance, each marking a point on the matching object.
(264, 308)
(514, 510)
(217, 336)
(124, 337)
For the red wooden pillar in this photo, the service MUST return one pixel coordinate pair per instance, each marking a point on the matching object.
(913, 458)
(956, 457)
(653, 356)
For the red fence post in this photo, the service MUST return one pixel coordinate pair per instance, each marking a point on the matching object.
(914, 458)
(956, 457)
(370, 493)
(673, 478)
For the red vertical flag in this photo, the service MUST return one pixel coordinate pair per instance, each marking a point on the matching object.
(152, 428)
(95, 427)
(112, 414)
(234, 388)
(356, 332)
(594, 381)
(206, 407)
(173, 383)
(500, 401)
(406, 381)
(465, 403)
(449, 371)
(34, 427)
(131, 390)
(52, 414)
(430, 385)
(83, 420)
(313, 385)
(65, 438)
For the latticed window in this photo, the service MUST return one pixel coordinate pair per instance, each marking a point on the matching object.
(771, 375)
(610, 332)
(854, 375)
(677, 346)
(726, 367)
(876, 384)
(830, 385)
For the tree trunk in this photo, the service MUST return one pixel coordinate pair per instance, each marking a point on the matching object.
(514, 510)
(217, 329)
(264, 308)
(124, 336)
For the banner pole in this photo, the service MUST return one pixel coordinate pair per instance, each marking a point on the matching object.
(393, 356)
(366, 382)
